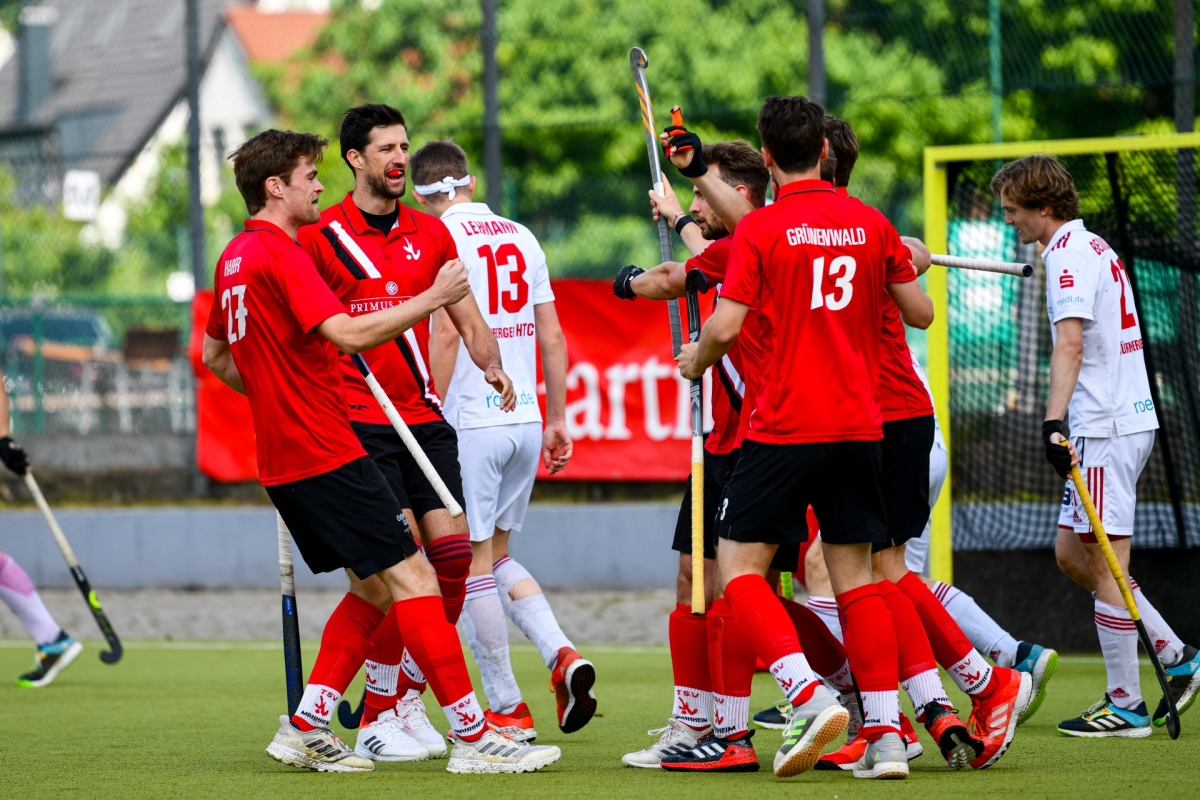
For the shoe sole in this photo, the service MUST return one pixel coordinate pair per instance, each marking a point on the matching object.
(1133, 733)
(960, 754)
(295, 758)
(367, 754)
(1020, 705)
(462, 766)
(770, 726)
(639, 766)
(884, 771)
(750, 764)
(581, 703)
(1189, 697)
(524, 735)
(64, 661)
(1043, 671)
(828, 725)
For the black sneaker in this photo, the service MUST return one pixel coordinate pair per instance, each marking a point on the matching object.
(773, 718)
(50, 660)
(1183, 680)
(715, 755)
(1107, 719)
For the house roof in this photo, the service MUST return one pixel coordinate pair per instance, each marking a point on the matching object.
(119, 69)
(272, 37)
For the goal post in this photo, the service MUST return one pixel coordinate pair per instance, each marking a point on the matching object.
(1128, 196)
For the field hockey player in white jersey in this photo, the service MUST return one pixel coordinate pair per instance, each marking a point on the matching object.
(499, 451)
(1098, 376)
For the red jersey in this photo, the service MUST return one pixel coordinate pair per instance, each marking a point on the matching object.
(814, 265)
(369, 270)
(267, 301)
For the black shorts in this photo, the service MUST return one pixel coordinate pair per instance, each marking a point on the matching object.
(717, 470)
(438, 439)
(346, 518)
(905, 477)
(767, 497)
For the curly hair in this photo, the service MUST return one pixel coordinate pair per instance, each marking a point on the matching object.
(1038, 182)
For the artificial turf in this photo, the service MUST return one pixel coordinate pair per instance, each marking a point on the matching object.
(191, 719)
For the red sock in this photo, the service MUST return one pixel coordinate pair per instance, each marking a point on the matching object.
(345, 643)
(688, 635)
(731, 663)
(950, 645)
(871, 643)
(383, 668)
(433, 644)
(915, 655)
(824, 652)
(767, 629)
(451, 560)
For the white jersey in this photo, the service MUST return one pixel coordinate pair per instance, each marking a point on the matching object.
(938, 439)
(508, 275)
(1085, 279)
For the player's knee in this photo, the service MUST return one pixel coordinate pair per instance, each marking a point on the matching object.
(683, 580)
(451, 557)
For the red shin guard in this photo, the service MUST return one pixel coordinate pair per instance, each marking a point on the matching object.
(870, 639)
(688, 635)
(383, 668)
(769, 632)
(823, 650)
(451, 560)
(433, 644)
(950, 644)
(915, 655)
(731, 664)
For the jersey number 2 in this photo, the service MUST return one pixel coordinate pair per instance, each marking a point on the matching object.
(1128, 319)
(515, 298)
(230, 297)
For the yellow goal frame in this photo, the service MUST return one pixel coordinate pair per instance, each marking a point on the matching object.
(941, 561)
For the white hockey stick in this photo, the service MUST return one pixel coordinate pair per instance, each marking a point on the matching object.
(409, 440)
(984, 265)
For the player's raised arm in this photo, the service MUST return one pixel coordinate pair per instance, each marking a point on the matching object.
(685, 151)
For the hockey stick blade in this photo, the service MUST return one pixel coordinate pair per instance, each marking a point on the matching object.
(348, 717)
(1172, 720)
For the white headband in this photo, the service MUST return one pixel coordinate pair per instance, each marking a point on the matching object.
(446, 185)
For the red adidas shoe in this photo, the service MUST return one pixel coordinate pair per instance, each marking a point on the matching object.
(958, 746)
(994, 718)
(518, 724)
(849, 754)
(571, 681)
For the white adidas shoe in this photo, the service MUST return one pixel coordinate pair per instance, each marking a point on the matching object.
(319, 750)
(411, 714)
(388, 739)
(675, 739)
(495, 752)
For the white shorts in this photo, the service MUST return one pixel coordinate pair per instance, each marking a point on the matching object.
(916, 551)
(499, 464)
(1110, 469)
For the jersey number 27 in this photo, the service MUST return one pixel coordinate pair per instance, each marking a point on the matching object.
(235, 295)
(1128, 318)
(515, 298)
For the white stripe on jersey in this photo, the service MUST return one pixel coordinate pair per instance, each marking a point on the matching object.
(352, 247)
(739, 385)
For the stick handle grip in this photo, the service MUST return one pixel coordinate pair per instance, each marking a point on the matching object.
(983, 265)
(1102, 539)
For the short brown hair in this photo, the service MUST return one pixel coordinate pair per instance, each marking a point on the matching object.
(271, 154)
(843, 149)
(792, 130)
(740, 165)
(358, 122)
(437, 160)
(1038, 182)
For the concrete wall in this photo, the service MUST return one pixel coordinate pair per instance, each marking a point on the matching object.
(617, 546)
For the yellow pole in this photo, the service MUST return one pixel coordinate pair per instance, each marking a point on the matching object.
(941, 562)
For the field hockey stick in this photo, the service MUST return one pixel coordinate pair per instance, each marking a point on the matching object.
(349, 717)
(406, 436)
(694, 285)
(293, 664)
(1119, 576)
(113, 654)
(983, 265)
(637, 63)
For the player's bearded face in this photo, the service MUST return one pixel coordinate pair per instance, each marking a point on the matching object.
(386, 160)
(710, 224)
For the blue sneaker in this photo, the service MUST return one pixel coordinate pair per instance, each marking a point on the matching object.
(1106, 719)
(1041, 663)
(50, 660)
(1183, 680)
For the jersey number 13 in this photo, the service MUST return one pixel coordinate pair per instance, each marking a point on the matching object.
(508, 256)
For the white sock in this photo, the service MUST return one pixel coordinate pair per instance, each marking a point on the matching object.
(487, 635)
(18, 594)
(531, 614)
(730, 715)
(924, 688)
(842, 681)
(881, 710)
(317, 705)
(983, 631)
(465, 716)
(1119, 641)
(793, 674)
(382, 679)
(1166, 643)
(411, 669)
(693, 707)
(826, 608)
(972, 674)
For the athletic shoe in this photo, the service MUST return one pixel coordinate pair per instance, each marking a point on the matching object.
(410, 712)
(1041, 663)
(848, 755)
(319, 750)
(571, 681)
(495, 752)
(810, 727)
(387, 739)
(715, 755)
(1106, 719)
(518, 725)
(885, 759)
(49, 660)
(953, 739)
(853, 706)
(912, 745)
(675, 739)
(1183, 680)
(993, 719)
(773, 718)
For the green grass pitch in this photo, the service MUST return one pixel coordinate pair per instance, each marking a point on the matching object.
(193, 721)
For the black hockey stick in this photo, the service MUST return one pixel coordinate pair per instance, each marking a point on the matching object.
(113, 654)
(293, 665)
(694, 285)
(350, 718)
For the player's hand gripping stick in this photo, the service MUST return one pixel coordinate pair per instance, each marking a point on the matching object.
(637, 63)
(293, 664)
(695, 284)
(1130, 604)
(113, 654)
(406, 436)
(983, 265)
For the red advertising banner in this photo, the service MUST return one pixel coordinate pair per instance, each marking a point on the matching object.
(628, 411)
